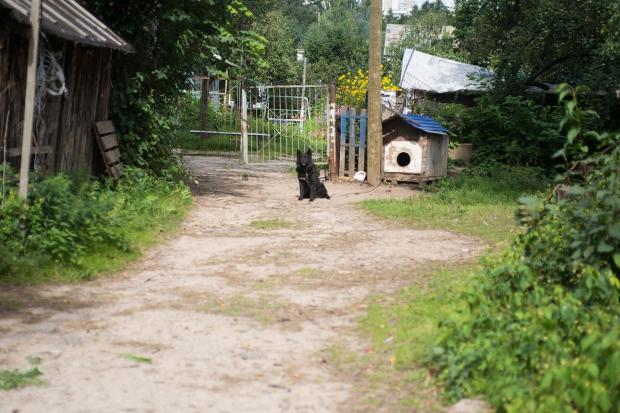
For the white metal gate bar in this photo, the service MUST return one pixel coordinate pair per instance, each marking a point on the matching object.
(284, 119)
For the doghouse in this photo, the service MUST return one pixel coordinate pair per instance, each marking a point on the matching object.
(415, 148)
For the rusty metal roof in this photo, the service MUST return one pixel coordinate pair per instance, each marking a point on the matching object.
(68, 20)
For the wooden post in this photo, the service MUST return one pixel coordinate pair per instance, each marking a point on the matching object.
(204, 105)
(352, 143)
(244, 127)
(343, 141)
(331, 133)
(362, 153)
(375, 138)
(31, 82)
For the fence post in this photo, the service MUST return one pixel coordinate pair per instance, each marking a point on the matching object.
(331, 133)
(352, 143)
(362, 152)
(244, 126)
(343, 141)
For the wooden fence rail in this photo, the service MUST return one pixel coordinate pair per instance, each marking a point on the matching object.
(352, 154)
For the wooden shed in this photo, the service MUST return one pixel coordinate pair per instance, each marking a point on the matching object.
(73, 83)
(415, 148)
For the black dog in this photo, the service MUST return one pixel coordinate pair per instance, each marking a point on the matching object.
(309, 184)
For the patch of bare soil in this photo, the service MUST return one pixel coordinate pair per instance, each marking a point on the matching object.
(235, 316)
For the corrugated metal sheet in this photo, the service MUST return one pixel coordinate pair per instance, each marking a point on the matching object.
(428, 125)
(68, 20)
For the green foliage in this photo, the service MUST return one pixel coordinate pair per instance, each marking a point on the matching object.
(527, 42)
(515, 131)
(280, 66)
(173, 41)
(480, 202)
(66, 220)
(542, 328)
(337, 43)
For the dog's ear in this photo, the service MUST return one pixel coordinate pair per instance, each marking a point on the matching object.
(298, 153)
(309, 153)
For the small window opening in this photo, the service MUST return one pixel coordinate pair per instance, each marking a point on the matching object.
(403, 159)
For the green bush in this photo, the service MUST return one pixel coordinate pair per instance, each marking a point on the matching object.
(542, 329)
(65, 219)
(515, 131)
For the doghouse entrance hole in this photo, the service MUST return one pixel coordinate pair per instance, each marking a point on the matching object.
(403, 159)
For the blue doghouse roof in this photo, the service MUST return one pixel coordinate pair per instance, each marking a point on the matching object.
(425, 123)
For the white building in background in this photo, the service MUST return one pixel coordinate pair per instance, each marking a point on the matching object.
(398, 6)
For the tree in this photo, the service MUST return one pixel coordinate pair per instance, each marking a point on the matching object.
(338, 43)
(528, 42)
(174, 40)
(280, 59)
(429, 31)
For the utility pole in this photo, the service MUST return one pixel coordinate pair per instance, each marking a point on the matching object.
(375, 131)
(31, 82)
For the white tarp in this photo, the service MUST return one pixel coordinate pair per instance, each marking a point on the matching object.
(425, 72)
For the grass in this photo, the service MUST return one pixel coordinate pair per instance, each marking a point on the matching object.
(270, 224)
(404, 326)
(17, 378)
(480, 205)
(147, 213)
(137, 359)
(389, 371)
(407, 324)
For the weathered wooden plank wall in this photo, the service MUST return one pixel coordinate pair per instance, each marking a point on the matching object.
(68, 121)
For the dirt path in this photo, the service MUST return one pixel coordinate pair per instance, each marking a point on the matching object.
(234, 311)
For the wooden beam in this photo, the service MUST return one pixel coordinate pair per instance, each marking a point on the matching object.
(352, 120)
(31, 82)
(244, 127)
(331, 133)
(41, 150)
(374, 95)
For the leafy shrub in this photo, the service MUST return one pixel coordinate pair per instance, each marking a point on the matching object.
(66, 219)
(515, 131)
(542, 329)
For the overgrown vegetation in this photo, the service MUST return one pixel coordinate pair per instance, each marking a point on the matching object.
(16, 378)
(480, 202)
(542, 325)
(72, 227)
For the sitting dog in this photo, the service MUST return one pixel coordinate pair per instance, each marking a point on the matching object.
(310, 185)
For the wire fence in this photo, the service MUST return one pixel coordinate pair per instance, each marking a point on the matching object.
(285, 119)
(281, 120)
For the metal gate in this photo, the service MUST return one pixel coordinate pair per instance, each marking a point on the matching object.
(279, 121)
(284, 119)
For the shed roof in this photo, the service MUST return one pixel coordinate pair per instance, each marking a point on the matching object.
(434, 74)
(68, 20)
(424, 123)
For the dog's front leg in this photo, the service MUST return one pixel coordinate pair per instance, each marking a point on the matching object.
(301, 190)
(312, 191)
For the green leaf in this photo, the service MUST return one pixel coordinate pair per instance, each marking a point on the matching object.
(614, 231)
(604, 247)
(136, 358)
